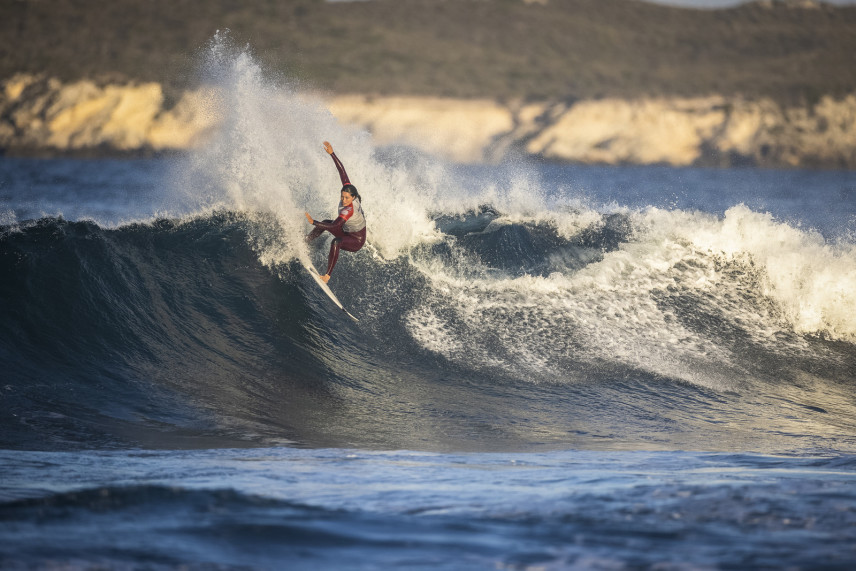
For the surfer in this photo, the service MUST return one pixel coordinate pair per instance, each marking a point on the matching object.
(349, 228)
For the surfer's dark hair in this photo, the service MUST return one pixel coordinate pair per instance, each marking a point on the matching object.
(352, 190)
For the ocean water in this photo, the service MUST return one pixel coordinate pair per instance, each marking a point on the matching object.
(555, 367)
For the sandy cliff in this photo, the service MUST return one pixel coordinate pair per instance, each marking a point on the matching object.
(697, 131)
(39, 114)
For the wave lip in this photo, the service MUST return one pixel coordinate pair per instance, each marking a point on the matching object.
(681, 294)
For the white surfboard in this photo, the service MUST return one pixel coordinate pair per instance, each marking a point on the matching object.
(325, 288)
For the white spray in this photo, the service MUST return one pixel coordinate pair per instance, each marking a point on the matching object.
(267, 158)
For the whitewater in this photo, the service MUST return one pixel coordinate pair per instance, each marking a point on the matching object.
(555, 366)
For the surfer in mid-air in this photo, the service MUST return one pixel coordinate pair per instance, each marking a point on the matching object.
(349, 228)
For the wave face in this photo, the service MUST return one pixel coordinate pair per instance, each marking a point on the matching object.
(496, 312)
(493, 335)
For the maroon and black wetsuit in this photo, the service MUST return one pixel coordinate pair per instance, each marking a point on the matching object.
(349, 228)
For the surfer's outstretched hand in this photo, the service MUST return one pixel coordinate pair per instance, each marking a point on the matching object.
(328, 147)
(325, 278)
(309, 218)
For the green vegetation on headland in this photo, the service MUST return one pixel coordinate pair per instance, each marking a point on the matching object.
(498, 49)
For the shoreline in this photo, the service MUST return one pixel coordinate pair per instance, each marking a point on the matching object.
(44, 117)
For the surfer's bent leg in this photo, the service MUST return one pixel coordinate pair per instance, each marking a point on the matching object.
(338, 234)
(353, 241)
(349, 241)
(334, 255)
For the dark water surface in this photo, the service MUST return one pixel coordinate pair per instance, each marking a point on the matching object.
(580, 367)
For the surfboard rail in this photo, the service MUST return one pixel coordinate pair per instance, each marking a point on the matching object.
(325, 288)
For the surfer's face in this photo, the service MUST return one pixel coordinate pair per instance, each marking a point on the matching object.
(347, 199)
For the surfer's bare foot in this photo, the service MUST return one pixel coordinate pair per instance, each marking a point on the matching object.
(325, 278)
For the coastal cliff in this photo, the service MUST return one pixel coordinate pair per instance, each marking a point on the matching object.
(45, 116)
(709, 131)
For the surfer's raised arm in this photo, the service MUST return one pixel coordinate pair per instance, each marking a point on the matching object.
(339, 166)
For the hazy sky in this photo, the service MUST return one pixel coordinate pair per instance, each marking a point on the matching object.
(724, 3)
(694, 3)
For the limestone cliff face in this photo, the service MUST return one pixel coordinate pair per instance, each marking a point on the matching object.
(45, 115)
(681, 132)
(460, 130)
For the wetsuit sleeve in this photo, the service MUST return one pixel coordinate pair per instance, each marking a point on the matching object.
(334, 225)
(341, 168)
(344, 214)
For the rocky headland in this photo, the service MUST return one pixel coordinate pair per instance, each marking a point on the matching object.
(769, 82)
(708, 131)
(44, 116)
